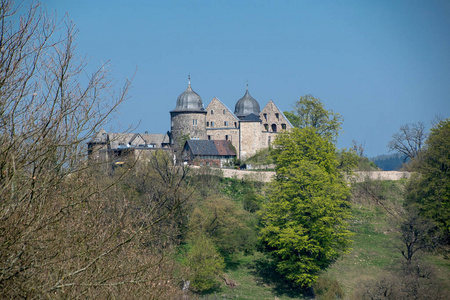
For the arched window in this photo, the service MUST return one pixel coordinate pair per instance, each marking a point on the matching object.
(274, 127)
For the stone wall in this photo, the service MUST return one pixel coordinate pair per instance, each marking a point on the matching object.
(359, 176)
(183, 123)
(250, 139)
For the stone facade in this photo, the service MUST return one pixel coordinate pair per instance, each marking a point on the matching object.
(191, 123)
(221, 123)
(218, 122)
(250, 138)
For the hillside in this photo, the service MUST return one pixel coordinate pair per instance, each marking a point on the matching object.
(374, 258)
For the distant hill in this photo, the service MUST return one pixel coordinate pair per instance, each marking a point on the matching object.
(389, 162)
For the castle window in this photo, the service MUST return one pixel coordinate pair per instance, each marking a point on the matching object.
(265, 117)
(212, 112)
(266, 127)
(212, 124)
(207, 124)
(209, 137)
(274, 127)
(277, 115)
(283, 126)
(225, 123)
(235, 124)
(226, 137)
(194, 122)
(224, 111)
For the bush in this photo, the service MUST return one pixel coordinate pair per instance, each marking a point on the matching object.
(205, 264)
(326, 288)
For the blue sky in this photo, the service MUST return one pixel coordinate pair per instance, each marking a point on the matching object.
(380, 64)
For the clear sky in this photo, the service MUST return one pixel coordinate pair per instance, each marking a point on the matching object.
(380, 64)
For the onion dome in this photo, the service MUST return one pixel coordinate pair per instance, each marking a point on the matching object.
(189, 100)
(246, 105)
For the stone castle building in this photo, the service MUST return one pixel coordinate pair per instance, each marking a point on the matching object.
(248, 128)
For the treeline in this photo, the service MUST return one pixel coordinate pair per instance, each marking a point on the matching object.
(391, 162)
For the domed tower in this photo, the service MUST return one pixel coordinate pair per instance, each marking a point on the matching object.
(246, 105)
(188, 119)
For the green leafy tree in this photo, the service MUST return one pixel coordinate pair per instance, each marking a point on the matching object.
(429, 188)
(205, 264)
(310, 112)
(304, 225)
(221, 220)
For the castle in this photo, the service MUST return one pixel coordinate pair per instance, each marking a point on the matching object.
(245, 131)
(248, 128)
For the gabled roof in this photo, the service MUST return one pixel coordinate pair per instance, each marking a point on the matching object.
(155, 138)
(100, 137)
(209, 147)
(282, 114)
(224, 147)
(120, 138)
(251, 118)
(129, 139)
(226, 107)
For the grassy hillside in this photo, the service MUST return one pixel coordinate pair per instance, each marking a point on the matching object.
(374, 255)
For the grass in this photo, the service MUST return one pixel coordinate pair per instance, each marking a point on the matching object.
(373, 253)
(256, 279)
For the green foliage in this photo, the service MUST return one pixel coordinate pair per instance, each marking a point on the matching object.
(221, 220)
(205, 264)
(310, 112)
(348, 160)
(326, 288)
(304, 225)
(261, 157)
(182, 140)
(429, 189)
(293, 118)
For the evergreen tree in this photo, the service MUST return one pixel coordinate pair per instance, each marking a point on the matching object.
(304, 224)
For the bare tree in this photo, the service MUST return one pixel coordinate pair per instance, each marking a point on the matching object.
(66, 229)
(416, 234)
(409, 140)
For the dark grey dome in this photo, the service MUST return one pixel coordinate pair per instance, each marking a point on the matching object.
(189, 100)
(246, 105)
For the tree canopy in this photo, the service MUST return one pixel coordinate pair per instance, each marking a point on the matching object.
(429, 189)
(304, 223)
(310, 112)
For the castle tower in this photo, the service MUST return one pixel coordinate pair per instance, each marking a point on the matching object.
(246, 105)
(188, 119)
(247, 110)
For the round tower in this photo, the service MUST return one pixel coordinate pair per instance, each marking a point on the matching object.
(188, 119)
